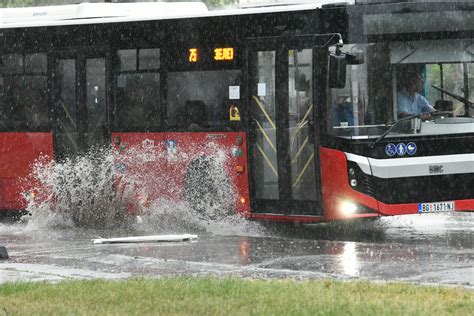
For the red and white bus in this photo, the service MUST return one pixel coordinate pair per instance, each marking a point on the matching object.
(300, 104)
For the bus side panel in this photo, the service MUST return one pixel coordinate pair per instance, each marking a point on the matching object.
(464, 205)
(155, 164)
(412, 208)
(336, 189)
(18, 153)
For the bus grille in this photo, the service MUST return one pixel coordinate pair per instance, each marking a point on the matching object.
(368, 185)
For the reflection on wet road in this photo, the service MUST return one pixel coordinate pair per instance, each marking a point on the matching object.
(434, 248)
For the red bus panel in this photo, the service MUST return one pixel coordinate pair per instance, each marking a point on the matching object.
(336, 189)
(18, 153)
(158, 162)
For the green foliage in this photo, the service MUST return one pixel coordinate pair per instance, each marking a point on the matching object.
(32, 3)
(28, 3)
(217, 3)
(16, 3)
(231, 296)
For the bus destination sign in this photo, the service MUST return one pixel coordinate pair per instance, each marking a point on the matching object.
(226, 53)
(220, 54)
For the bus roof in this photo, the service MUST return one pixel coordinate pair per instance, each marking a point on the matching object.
(94, 13)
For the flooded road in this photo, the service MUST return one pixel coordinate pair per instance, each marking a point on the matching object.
(428, 249)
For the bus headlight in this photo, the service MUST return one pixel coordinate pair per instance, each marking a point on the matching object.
(358, 180)
(352, 171)
(348, 208)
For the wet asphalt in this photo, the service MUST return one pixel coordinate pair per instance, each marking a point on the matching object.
(423, 249)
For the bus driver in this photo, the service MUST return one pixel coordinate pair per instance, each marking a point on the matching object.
(409, 101)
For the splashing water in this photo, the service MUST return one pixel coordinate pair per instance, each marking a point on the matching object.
(76, 191)
(140, 189)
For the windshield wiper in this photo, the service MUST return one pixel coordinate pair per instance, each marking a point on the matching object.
(406, 118)
(453, 95)
(395, 124)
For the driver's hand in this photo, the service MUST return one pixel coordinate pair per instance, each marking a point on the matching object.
(425, 117)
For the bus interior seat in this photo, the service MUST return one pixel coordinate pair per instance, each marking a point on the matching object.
(195, 115)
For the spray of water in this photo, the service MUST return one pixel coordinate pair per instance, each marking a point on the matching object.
(75, 191)
(141, 188)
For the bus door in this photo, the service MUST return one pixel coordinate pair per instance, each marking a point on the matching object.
(284, 171)
(79, 102)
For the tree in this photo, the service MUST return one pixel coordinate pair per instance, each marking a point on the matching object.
(34, 3)
(31, 3)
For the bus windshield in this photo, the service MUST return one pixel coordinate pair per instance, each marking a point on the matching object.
(430, 81)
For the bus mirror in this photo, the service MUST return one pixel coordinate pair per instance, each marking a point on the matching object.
(337, 70)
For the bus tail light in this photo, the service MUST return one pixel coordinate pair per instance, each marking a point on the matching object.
(243, 200)
(239, 169)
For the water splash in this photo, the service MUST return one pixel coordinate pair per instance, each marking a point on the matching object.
(75, 191)
(140, 189)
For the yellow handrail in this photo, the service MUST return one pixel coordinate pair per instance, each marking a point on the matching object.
(266, 136)
(262, 108)
(300, 150)
(303, 170)
(301, 123)
(267, 160)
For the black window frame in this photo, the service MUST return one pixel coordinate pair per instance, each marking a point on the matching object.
(158, 120)
(24, 125)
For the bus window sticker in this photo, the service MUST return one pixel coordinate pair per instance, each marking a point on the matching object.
(234, 92)
(171, 147)
(261, 89)
(234, 114)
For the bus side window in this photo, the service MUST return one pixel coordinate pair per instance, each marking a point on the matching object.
(205, 93)
(24, 96)
(137, 97)
(343, 113)
(36, 104)
(195, 115)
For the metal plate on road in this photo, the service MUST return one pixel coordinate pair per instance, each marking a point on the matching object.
(436, 207)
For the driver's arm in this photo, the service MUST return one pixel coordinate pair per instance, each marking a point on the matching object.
(426, 108)
(425, 105)
(404, 114)
(425, 116)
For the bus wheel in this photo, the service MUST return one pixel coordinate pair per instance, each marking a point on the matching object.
(207, 190)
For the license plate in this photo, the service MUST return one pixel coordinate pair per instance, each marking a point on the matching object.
(435, 207)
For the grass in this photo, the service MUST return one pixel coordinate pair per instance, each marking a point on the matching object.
(231, 296)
